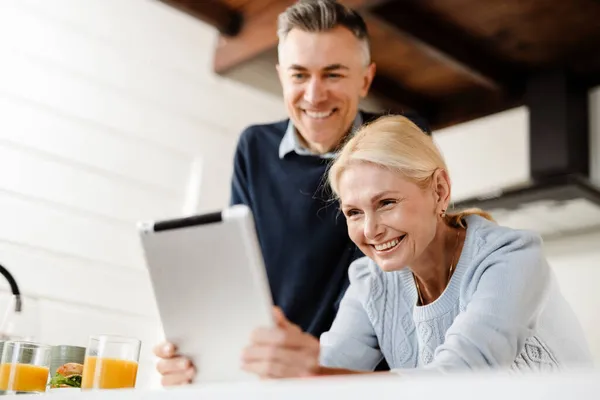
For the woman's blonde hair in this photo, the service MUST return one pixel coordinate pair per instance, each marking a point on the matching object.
(396, 143)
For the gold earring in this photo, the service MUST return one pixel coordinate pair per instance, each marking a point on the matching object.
(443, 214)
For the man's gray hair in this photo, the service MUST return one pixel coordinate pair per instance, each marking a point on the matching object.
(322, 16)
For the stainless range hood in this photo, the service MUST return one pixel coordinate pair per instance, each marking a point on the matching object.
(560, 197)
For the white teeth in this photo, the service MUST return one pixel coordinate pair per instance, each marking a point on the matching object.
(387, 245)
(314, 114)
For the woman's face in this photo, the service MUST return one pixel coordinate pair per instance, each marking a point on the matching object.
(391, 219)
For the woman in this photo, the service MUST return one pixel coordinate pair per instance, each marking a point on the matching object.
(436, 291)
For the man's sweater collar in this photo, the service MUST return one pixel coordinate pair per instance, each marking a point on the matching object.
(291, 143)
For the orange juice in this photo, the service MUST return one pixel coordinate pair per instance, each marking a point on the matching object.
(112, 373)
(23, 377)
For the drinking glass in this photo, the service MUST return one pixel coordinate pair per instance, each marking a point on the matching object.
(111, 362)
(24, 367)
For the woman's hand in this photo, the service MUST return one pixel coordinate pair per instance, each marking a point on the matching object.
(283, 351)
(174, 368)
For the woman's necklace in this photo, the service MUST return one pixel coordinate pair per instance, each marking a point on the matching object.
(449, 272)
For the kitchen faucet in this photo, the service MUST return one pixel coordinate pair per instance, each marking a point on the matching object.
(14, 288)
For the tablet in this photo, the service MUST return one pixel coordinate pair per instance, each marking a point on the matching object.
(210, 287)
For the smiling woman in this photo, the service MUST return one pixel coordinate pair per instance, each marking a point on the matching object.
(436, 291)
(395, 200)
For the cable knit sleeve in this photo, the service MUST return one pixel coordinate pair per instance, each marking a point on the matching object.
(351, 342)
(505, 292)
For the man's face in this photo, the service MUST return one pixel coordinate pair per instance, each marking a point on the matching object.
(323, 76)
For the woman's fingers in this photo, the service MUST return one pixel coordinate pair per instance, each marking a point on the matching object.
(178, 378)
(280, 319)
(173, 365)
(176, 371)
(281, 353)
(165, 350)
(290, 336)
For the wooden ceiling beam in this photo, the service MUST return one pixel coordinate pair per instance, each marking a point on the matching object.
(226, 20)
(402, 98)
(452, 45)
(259, 34)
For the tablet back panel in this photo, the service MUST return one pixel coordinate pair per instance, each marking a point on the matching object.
(210, 287)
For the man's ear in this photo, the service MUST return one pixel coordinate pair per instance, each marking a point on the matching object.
(278, 69)
(368, 79)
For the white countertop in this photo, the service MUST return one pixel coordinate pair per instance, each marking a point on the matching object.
(580, 386)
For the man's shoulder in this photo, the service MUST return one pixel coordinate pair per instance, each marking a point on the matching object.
(413, 116)
(274, 130)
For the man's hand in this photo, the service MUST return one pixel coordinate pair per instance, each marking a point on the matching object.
(283, 351)
(175, 369)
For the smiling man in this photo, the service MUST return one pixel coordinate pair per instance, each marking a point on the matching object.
(325, 70)
(324, 74)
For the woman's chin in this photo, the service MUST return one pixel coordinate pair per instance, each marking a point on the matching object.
(389, 265)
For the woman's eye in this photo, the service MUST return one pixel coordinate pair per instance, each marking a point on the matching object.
(351, 213)
(387, 202)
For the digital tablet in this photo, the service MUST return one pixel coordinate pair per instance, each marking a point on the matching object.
(210, 286)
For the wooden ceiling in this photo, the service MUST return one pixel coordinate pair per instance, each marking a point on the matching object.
(450, 60)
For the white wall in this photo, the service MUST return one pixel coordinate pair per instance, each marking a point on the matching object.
(493, 140)
(492, 152)
(105, 106)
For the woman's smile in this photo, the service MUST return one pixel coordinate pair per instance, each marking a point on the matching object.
(389, 246)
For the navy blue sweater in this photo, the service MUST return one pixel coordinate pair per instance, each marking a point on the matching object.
(301, 231)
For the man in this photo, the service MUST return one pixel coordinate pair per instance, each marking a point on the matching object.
(325, 69)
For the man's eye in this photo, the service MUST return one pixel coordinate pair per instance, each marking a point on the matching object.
(333, 76)
(299, 76)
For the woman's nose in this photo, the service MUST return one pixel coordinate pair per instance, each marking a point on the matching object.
(373, 229)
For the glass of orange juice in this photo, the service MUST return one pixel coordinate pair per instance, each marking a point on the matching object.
(24, 367)
(111, 362)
